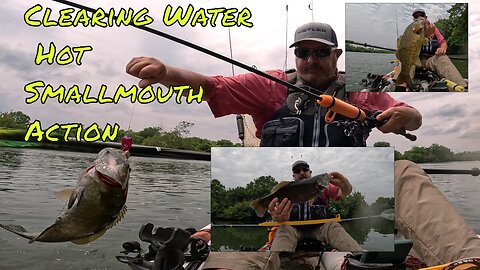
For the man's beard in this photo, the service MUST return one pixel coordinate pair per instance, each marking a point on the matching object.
(319, 80)
(303, 177)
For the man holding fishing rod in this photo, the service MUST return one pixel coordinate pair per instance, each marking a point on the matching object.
(422, 213)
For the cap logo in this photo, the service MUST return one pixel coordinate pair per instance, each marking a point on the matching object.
(313, 29)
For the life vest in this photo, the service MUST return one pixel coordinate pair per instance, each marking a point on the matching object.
(309, 211)
(431, 47)
(300, 121)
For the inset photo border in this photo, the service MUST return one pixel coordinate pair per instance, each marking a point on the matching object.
(379, 36)
(241, 175)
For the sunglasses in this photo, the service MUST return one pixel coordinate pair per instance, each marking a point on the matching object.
(416, 15)
(318, 53)
(298, 170)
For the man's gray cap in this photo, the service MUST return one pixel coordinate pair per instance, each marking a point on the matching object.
(299, 162)
(419, 10)
(316, 31)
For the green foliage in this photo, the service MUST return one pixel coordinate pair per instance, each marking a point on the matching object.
(218, 197)
(14, 120)
(239, 211)
(349, 206)
(464, 156)
(398, 156)
(260, 187)
(381, 144)
(455, 29)
(174, 138)
(381, 204)
(434, 153)
(234, 203)
(154, 136)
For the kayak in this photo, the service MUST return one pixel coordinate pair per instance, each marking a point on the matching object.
(175, 249)
(424, 81)
(169, 249)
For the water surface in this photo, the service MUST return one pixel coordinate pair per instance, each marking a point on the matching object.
(164, 192)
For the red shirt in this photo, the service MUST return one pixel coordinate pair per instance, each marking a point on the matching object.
(260, 97)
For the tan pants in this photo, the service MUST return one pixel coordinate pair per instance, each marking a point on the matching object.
(243, 260)
(331, 233)
(422, 214)
(271, 261)
(442, 65)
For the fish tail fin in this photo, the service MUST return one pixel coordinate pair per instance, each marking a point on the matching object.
(404, 77)
(409, 82)
(18, 230)
(260, 209)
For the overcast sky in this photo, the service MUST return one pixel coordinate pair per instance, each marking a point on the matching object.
(451, 120)
(369, 170)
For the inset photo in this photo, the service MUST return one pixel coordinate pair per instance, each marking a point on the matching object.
(407, 47)
(302, 199)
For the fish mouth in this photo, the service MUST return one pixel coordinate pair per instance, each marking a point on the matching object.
(112, 168)
(107, 180)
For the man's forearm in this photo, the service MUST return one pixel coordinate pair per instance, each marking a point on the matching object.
(177, 76)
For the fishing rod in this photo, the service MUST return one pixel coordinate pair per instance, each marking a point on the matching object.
(392, 50)
(366, 45)
(296, 223)
(306, 90)
(338, 106)
(201, 49)
(474, 171)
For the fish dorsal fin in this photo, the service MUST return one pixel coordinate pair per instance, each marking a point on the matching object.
(280, 185)
(87, 239)
(64, 195)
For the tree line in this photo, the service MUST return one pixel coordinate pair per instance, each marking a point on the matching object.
(350, 47)
(433, 153)
(234, 203)
(176, 137)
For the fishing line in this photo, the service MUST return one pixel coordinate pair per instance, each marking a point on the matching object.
(310, 6)
(131, 117)
(286, 39)
(240, 119)
(204, 50)
(396, 20)
(231, 50)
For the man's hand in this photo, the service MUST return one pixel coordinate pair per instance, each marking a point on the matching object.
(399, 119)
(280, 211)
(337, 179)
(148, 69)
(204, 235)
(440, 51)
